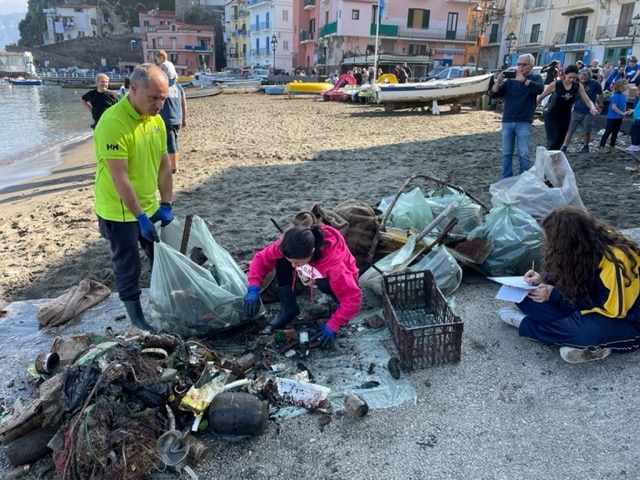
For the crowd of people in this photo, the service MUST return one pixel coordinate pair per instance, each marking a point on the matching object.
(570, 99)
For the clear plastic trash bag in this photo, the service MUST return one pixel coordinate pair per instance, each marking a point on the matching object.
(195, 298)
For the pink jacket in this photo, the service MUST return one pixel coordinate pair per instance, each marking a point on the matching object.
(336, 264)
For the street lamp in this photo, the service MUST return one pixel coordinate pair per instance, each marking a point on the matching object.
(487, 11)
(274, 45)
(510, 39)
(635, 21)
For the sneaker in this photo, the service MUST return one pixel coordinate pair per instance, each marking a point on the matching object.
(577, 355)
(584, 149)
(602, 150)
(511, 316)
(633, 148)
(563, 149)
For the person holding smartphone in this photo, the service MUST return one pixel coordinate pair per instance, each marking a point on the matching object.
(519, 95)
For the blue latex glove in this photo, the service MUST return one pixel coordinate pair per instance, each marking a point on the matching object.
(164, 215)
(147, 228)
(325, 336)
(252, 301)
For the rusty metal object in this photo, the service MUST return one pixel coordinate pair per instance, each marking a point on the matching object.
(186, 233)
(47, 362)
(355, 405)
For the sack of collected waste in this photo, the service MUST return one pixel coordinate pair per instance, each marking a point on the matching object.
(468, 213)
(549, 184)
(200, 293)
(410, 212)
(446, 271)
(516, 237)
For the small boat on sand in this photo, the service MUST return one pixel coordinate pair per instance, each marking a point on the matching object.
(411, 95)
(274, 89)
(292, 88)
(199, 92)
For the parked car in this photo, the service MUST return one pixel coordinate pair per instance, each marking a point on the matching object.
(448, 73)
(536, 69)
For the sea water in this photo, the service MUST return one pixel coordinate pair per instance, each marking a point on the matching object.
(39, 125)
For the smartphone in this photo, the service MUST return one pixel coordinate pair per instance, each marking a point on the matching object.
(510, 74)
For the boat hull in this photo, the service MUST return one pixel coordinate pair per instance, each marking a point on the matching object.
(410, 95)
(203, 92)
(307, 87)
(274, 89)
(26, 82)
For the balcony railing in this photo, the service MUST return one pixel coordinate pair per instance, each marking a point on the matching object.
(261, 26)
(614, 30)
(328, 29)
(436, 34)
(253, 3)
(533, 37)
(306, 36)
(384, 30)
(255, 52)
(309, 4)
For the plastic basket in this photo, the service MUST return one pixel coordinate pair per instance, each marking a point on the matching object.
(424, 328)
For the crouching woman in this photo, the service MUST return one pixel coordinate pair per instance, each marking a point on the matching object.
(318, 255)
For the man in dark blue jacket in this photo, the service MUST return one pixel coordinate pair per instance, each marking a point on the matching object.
(519, 108)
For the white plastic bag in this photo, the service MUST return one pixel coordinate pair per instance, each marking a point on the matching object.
(549, 184)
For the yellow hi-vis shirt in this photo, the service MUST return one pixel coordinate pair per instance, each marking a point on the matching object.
(122, 134)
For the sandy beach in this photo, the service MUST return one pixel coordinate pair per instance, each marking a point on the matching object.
(248, 158)
(511, 408)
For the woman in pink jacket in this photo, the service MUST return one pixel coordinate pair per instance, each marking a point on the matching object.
(318, 255)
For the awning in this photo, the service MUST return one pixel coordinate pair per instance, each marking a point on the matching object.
(578, 11)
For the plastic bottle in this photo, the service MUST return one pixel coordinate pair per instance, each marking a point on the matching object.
(304, 342)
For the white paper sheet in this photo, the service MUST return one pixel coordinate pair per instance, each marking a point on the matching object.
(514, 289)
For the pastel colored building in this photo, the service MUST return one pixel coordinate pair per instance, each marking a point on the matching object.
(67, 22)
(189, 47)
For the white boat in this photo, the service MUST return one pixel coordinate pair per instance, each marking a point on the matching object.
(199, 92)
(410, 95)
(230, 80)
(241, 88)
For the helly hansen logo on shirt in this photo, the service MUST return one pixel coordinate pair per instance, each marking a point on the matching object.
(112, 146)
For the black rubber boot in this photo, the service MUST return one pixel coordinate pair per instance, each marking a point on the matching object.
(288, 308)
(136, 315)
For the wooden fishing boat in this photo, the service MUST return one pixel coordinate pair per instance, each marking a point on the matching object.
(421, 94)
(199, 92)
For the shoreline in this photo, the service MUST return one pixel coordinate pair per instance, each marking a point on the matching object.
(75, 169)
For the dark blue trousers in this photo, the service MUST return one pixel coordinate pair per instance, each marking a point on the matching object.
(562, 325)
(125, 239)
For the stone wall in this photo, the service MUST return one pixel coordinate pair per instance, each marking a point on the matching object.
(87, 52)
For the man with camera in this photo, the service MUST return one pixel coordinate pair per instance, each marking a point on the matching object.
(519, 93)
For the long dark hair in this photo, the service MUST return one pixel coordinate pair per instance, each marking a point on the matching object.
(299, 242)
(575, 242)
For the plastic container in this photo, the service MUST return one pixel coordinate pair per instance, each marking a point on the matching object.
(424, 328)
